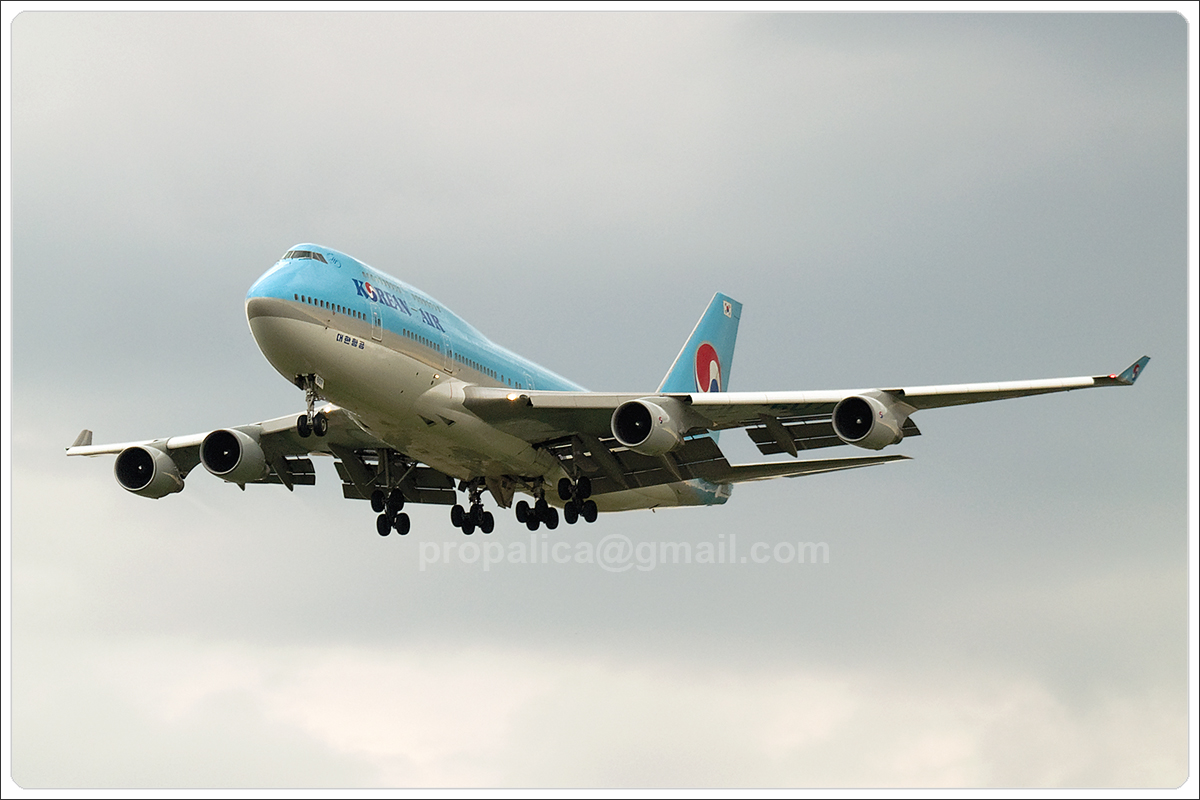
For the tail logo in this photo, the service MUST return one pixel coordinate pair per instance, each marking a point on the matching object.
(708, 369)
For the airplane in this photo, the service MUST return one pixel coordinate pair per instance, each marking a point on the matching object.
(416, 406)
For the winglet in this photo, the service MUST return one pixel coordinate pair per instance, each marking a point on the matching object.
(1130, 375)
(84, 439)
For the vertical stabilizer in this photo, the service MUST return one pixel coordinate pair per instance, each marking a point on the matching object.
(705, 362)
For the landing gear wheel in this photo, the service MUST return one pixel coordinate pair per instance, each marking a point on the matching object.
(532, 522)
(457, 514)
(589, 511)
(551, 518)
(302, 426)
(488, 523)
(523, 512)
(477, 515)
(540, 508)
(320, 425)
(383, 525)
(583, 488)
(571, 513)
(402, 524)
(564, 489)
(395, 501)
(377, 504)
(468, 526)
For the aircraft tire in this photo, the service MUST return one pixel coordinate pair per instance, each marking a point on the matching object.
(589, 511)
(457, 514)
(583, 488)
(488, 523)
(468, 526)
(551, 518)
(539, 508)
(395, 501)
(532, 522)
(320, 425)
(522, 511)
(383, 525)
(564, 489)
(302, 426)
(571, 513)
(402, 523)
(377, 504)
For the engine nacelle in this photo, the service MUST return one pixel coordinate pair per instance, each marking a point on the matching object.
(233, 456)
(869, 422)
(650, 426)
(147, 472)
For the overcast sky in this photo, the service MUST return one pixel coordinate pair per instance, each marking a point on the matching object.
(897, 200)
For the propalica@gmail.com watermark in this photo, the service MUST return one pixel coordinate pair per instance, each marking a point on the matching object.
(618, 553)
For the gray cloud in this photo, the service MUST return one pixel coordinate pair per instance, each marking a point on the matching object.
(898, 200)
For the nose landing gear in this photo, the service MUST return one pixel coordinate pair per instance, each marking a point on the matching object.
(310, 422)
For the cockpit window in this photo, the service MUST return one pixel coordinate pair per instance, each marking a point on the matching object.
(305, 254)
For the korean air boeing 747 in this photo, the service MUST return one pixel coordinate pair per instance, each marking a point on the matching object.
(415, 406)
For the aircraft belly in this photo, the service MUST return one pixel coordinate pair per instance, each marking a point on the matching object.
(411, 405)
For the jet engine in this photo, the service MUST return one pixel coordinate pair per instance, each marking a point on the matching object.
(650, 426)
(233, 456)
(147, 472)
(869, 422)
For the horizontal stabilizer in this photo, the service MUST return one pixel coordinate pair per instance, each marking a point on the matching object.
(740, 473)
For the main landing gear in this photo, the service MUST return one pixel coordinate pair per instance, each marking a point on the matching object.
(309, 422)
(577, 503)
(468, 521)
(538, 514)
(389, 507)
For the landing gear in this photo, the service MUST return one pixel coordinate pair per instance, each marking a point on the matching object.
(477, 517)
(385, 522)
(577, 503)
(311, 422)
(540, 513)
(580, 490)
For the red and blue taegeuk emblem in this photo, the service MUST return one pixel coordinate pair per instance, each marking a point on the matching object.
(708, 369)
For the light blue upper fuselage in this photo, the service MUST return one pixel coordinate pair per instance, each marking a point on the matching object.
(318, 275)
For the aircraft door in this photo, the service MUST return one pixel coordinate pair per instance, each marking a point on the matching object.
(447, 354)
(376, 323)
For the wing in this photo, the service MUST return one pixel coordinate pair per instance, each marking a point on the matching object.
(272, 452)
(580, 427)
